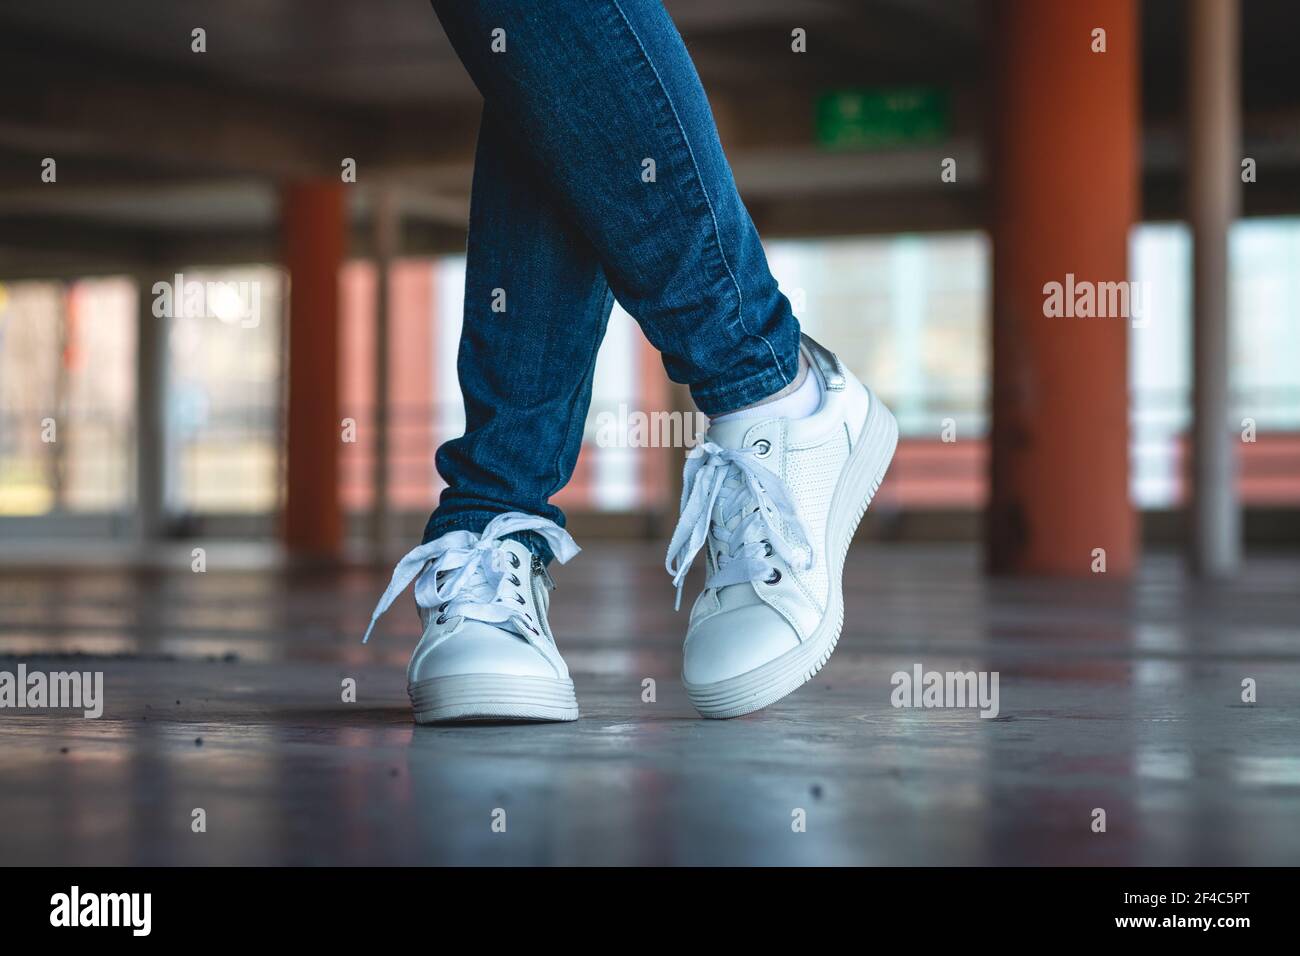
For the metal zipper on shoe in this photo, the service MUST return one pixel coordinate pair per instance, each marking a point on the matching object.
(540, 568)
(543, 577)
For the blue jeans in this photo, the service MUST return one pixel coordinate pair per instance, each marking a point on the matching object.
(598, 175)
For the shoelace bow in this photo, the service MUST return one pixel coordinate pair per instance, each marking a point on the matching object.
(755, 512)
(466, 572)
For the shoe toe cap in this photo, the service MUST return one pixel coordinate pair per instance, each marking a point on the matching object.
(477, 648)
(734, 642)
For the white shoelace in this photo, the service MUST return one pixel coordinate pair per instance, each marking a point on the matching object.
(468, 572)
(755, 518)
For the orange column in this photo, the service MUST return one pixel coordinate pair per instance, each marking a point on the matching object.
(416, 415)
(652, 396)
(314, 234)
(1064, 168)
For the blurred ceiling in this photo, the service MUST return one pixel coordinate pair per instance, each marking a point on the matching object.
(167, 154)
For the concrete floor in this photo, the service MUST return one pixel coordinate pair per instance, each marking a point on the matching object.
(1113, 697)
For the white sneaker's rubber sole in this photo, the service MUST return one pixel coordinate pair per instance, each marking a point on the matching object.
(492, 697)
(756, 689)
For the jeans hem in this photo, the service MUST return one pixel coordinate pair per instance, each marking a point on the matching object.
(475, 522)
(721, 399)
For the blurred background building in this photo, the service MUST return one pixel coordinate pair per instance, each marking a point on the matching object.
(226, 165)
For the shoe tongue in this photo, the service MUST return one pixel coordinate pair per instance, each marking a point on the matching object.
(732, 434)
(477, 582)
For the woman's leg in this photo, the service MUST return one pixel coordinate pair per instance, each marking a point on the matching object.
(604, 106)
(602, 96)
(599, 163)
(536, 304)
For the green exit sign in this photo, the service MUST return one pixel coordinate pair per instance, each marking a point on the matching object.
(875, 118)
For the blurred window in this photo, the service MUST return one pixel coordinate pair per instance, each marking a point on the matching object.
(67, 388)
(1264, 370)
(223, 389)
(908, 313)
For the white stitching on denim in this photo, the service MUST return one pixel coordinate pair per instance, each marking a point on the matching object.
(717, 232)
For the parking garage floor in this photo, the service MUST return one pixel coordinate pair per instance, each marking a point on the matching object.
(223, 694)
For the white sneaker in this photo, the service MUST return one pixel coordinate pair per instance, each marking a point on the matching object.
(776, 502)
(487, 650)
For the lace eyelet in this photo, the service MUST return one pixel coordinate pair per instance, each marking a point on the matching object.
(767, 548)
(514, 580)
(514, 560)
(442, 607)
(520, 599)
(773, 578)
(762, 448)
(440, 620)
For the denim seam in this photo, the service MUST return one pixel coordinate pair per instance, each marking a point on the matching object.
(737, 394)
(453, 521)
(457, 521)
(717, 232)
(479, 519)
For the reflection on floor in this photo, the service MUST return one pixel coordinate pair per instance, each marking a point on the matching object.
(223, 694)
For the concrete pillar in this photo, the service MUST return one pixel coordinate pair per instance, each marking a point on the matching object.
(1213, 202)
(679, 401)
(416, 416)
(313, 220)
(151, 337)
(656, 466)
(56, 458)
(385, 227)
(1064, 169)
